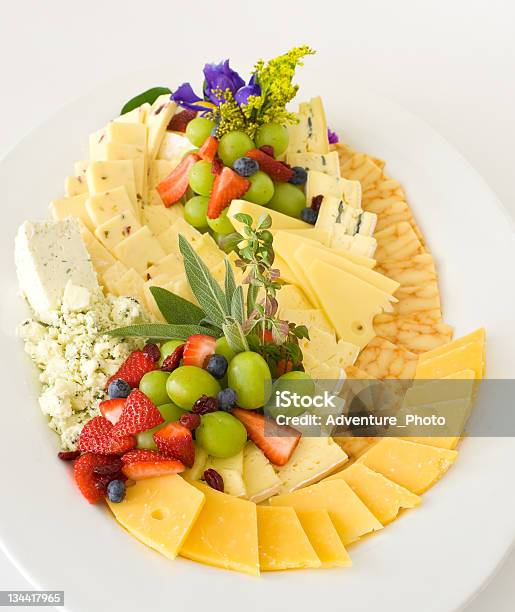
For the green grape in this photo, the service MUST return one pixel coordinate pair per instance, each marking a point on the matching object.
(249, 375)
(261, 188)
(294, 382)
(170, 412)
(201, 178)
(234, 145)
(288, 199)
(198, 130)
(220, 434)
(195, 212)
(168, 348)
(222, 348)
(273, 135)
(221, 225)
(187, 383)
(153, 385)
(145, 439)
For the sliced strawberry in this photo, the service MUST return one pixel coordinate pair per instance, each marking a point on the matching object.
(176, 441)
(173, 361)
(138, 414)
(276, 170)
(134, 368)
(180, 120)
(208, 150)
(97, 436)
(90, 486)
(174, 186)
(112, 409)
(217, 166)
(142, 454)
(197, 349)
(276, 441)
(151, 469)
(228, 186)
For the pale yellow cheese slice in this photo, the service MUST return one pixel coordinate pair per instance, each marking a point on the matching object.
(80, 168)
(169, 239)
(72, 207)
(131, 285)
(111, 276)
(181, 287)
(279, 220)
(283, 544)
(465, 357)
(286, 273)
(134, 116)
(170, 265)
(140, 250)
(160, 512)
(116, 229)
(104, 206)
(150, 302)
(157, 119)
(127, 133)
(479, 335)
(159, 217)
(207, 249)
(261, 481)
(196, 471)
(319, 183)
(416, 467)
(311, 317)
(225, 533)
(74, 186)
(102, 176)
(158, 170)
(101, 258)
(290, 296)
(383, 497)
(351, 518)
(324, 538)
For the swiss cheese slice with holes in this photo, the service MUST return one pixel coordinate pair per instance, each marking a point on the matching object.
(327, 163)
(72, 207)
(104, 206)
(320, 183)
(105, 175)
(140, 250)
(324, 538)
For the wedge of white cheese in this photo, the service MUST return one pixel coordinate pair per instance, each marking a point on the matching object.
(261, 481)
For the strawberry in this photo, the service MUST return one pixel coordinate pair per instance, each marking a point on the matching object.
(175, 185)
(90, 486)
(173, 361)
(228, 186)
(282, 367)
(276, 170)
(112, 409)
(97, 436)
(276, 441)
(142, 454)
(176, 441)
(138, 414)
(180, 120)
(217, 166)
(151, 469)
(134, 368)
(197, 349)
(208, 150)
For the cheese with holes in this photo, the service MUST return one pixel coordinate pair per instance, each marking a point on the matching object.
(112, 232)
(383, 497)
(311, 317)
(140, 250)
(279, 220)
(105, 175)
(283, 543)
(71, 207)
(261, 481)
(104, 206)
(328, 163)
(415, 467)
(157, 119)
(160, 512)
(319, 183)
(225, 533)
(324, 538)
(351, 518)
(311, 461)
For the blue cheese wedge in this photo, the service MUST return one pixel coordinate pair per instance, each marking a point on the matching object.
(48, 254)
(310, 133)
(319, 183)
(358, 244)
(328, 163)
(351, 220)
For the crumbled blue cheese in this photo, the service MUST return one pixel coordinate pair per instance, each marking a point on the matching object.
(76, 356)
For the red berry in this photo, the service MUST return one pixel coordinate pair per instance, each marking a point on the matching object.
(217, 166)
(228, 186)
(214, 479)
(316, 202)
(276, 170)
(268, 149)
(174, 186)
(134, 368)
(143, 454)
(90, 485)
(180, 120)
(112, 409)
(197, 349)
(151, 469)
(205, 404)
(176, 441)
(152, 351)
(109, 469)
(97, 436)
(68, 455)
(190, 420)
(173, 361)
(139, 414)
(208, 150)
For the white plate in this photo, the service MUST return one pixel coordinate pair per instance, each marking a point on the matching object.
(433, 558)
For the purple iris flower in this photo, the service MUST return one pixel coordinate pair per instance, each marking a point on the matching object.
(220, 76)
(187, 98)
(332, 136)
(252, 89)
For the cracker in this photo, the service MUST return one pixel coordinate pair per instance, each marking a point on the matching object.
(383, 359)
(415, 332)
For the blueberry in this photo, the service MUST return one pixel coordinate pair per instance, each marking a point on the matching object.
(300, 176)
(217, 366)
(309, 215)
(118, 388)
(245, 166)
(116, 491)
(227, 399)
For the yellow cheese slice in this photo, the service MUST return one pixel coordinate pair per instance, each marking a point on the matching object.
(169, 239)
(140, 250)
(321, 344)
(160, 512)
(157, 119)
(286, 273)
(116, 229)
(72, 207)
(315, 234)
(317, 140)
(225, 533)
(279, 221)
(261, 481)
(109, 279)
(134, 116)
(352, 317)
(415, 467)
(158, 170)
(74, 186)
(383, 497)
(479, 335)
(101, 258)
(104, 206)
(351, 518)
(311, 317)
(465, 357)
(181, 287)
(283, 544)
(196, 471)
(324, 538)
(170, 265)
(105, 175)
(131, 285)
(159, 217)
(290, 296)
(207, 249)
(122, 132)
(150, 302)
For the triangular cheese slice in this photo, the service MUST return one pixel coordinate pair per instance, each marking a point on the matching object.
(324, 538)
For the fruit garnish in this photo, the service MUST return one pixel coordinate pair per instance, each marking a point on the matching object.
(300, 176)
(180, 120)
(133, 369)
(214, 479)
(151, 469)
(142, 454)
(173, 361)
(116, 491)
(217, 366)
(245, 166)
(91, 487)
(309, 215)
(228, 186)
(138, 414)
(197, 349)
(276, 170)
(276, 441)
(316, 202)
(174, 186)
(190, 420)
(97, 436)
(118, 388)
(152, 351)
(110, 469)
(176, 441)
(112, 409)
(268, 149)
(220, 434)
(68, 455)
(208, 150)
(217, 166)
(227, 399)
(205, 404)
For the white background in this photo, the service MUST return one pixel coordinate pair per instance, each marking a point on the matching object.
(452, 63)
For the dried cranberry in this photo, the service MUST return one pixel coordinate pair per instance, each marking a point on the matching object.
(173, 361)
(214, 479)
(316, 202)
(205, 404)
(190, 420)
(68, 455)
(152, 351)
(268, 149)
(109, 469)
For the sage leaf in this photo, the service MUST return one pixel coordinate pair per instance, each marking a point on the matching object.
(163, 331)
(252, 294)
(234, 335)
(176, 309)
(237, 307)
(150, 96)
(230, 282)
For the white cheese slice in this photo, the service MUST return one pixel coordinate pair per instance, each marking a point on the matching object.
(317, 139)
(71, 207)
(171, 266)
(140, 250)
(74, 186)
(81, 167)
(48, 254)
(111, 276)
(76, 298)
(357, 244)
(157, 120)
(328, 163)
(319, 183)
(102, 207)
(261, 481)
(312, 317)
(118, 228)
(137, 115)
(105, 175)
